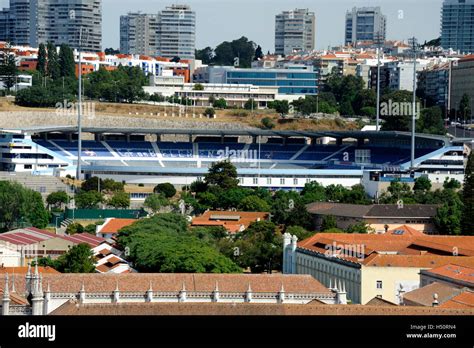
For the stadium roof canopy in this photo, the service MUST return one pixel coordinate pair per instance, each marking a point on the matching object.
(228, 132)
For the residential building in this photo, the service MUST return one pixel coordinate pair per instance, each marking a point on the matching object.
(295, 31)
(5, 25)
(451, 274)
(170, 33)
(292, 79)
(177, 32)
(379, 217)
(110, 260)
(139, 34)
(233, 221)
(77, 23)
(462, 82)
(50, 292)
(396, 75)
(111, 226)
(433, 84)
(374, 265)
(365, 24)
(457, 25)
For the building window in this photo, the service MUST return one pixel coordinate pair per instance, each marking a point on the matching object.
(295, 181)
(241, 181)
(282, 181)
(269, 181)
(379, 284)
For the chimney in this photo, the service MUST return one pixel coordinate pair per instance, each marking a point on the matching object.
(435, 300)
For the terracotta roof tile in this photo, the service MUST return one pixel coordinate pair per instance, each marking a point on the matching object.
(174, 282)
(463, 300)
(454, 272)
(114, 225)
(72, 307)
(424, 296)
(209, 218)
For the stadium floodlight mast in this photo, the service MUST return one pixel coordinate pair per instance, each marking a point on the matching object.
(414, 45)
(79, 111)
(378, 41)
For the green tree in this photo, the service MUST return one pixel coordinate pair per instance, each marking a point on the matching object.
(120, 199)
(36, 213)
(57, 199)
(93, 184)
(210, 112)
(467, 222)
(280, 106)
(54, 70)
(88, 199)
(268, 123)
(251, 104)
(42, 59)
(260, 245)
(465, 107)
(401, 121)
(329, 222)
(155, 202)
(449, 215)
(258, 53)
(67, 65)
(198, 87)
(21, 206)
(254, 203)
(108, 185)
(166, 189)
(206, 55)
(422, 184)
(451, 184)
(299, 232)
(79, 259)
(74, 228)
(220, 103)
(223, 175)
(164, 244)
(313, 192)
(431, 121)
(359, 227)
(8, 69)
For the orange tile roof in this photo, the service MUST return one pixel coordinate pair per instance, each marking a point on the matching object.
(418, 261)
(232, 226)
(94, 282)
(406, 250)
(73, 307)
(24, 270)
(114, 225)
(15, 298)
(463, 300)
(455, 272)
(424, 296)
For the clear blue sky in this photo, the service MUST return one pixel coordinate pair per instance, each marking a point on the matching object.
(220, 20)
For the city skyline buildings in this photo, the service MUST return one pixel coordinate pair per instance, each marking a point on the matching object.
(295, 31)
(457, 25)
(77, 23)
(169, 33)
(403, 18)
(212, 23)
(365, 24)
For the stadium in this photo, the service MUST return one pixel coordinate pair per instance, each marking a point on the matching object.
(264, 158)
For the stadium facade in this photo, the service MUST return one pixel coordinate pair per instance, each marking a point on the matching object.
(269, 159)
